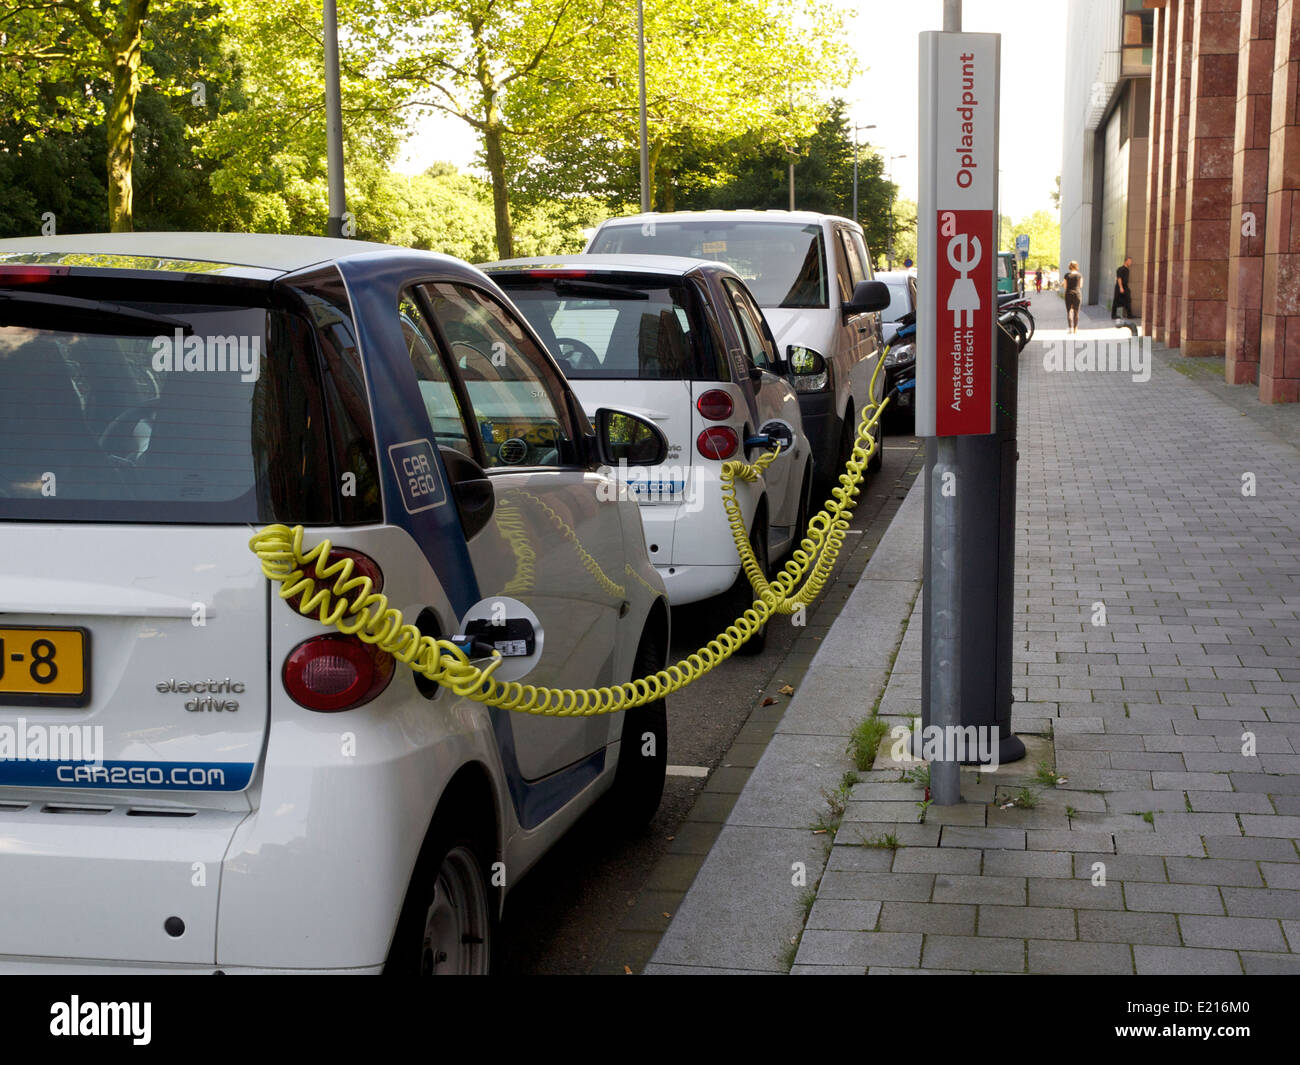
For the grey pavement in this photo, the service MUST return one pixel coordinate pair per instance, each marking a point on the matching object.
(1153, 827)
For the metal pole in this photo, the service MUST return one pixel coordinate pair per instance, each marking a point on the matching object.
(855, 173)
(645, 150)
(944, 579)
(792, 184)
(333, 122)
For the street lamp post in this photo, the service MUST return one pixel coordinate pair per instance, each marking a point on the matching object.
(645, 151)
(333, 124)
(855, 167)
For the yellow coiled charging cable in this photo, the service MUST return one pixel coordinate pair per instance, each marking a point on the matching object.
(350, 604)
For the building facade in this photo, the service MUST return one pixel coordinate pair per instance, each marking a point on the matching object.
(1210, 168)
(1106, 135)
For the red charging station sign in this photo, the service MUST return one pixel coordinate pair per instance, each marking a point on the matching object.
(956, 369)
(963, 322)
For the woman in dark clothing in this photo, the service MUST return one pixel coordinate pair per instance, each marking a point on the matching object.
(1073, 296)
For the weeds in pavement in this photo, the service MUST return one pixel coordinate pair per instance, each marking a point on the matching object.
(1045, 774)
(1187, 802)
(865, 739)
(1025, 799)
(849, 779)
(924, 807)
(918, 774)
(885, 842)
(1071, 812)
(1149, 817)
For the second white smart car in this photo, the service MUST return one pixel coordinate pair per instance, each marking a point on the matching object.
(685, 342)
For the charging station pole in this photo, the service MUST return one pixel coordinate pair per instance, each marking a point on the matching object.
(957, 386)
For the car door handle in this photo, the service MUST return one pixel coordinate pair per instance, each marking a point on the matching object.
(470, 487)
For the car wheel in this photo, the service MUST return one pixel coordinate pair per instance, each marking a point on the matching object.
(741, 597)
(448, 924)
(633, 798)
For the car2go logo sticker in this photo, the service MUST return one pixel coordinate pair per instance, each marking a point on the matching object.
(417, 474)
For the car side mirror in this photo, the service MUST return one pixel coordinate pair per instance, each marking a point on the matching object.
(867, 296)
(807, 368)
(624, 438)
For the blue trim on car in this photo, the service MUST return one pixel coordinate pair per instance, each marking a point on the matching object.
(374, 283)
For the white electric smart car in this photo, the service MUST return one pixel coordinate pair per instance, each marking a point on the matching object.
(193, 775)
(685, 342)
(811, 273)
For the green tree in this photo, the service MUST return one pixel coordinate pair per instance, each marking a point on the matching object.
(266, 142)
(465, 58)
(748, 173)
(93, 54)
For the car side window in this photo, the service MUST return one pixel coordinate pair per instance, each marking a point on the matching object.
(440, 401)
(518, 400)
(864, 257)
(762, 348)
(843, 272)
(857, 269)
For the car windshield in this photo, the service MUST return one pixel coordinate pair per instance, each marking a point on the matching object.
(605, 329)
(783, 263)
(106, 415)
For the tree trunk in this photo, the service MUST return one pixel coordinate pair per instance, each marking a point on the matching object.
(656, 149)
(496, 164)
(124, 61)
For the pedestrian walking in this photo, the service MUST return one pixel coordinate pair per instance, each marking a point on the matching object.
(1122, 297)
(1073, 296)
(1038, 280)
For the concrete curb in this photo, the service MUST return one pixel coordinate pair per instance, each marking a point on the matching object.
(746, 906)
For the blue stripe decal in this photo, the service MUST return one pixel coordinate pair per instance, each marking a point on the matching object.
(137, 776)
(374, 284)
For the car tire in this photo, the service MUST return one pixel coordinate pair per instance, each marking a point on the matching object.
(633, 798)
(741, 597)
(449, 920)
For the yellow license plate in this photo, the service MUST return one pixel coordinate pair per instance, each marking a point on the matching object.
(44, 667)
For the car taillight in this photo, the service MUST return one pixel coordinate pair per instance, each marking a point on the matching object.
(717, 442)
(12, 274)
(334, 672)
(715, 405)
(362, 566)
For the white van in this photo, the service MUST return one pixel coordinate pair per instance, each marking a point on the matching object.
(811, 274)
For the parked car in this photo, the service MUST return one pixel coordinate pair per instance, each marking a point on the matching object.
(251, 790)
(812, 276)
(1008, 272)
(902, 300)
(900, 355)
(686, 341)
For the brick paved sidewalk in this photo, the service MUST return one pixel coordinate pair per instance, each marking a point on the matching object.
(1171, 847)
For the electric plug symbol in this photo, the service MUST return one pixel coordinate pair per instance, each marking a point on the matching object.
(964, 254)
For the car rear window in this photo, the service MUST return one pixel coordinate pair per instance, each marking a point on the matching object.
(159, 411)
(899, 304)
(783, 263)
(602, 328)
